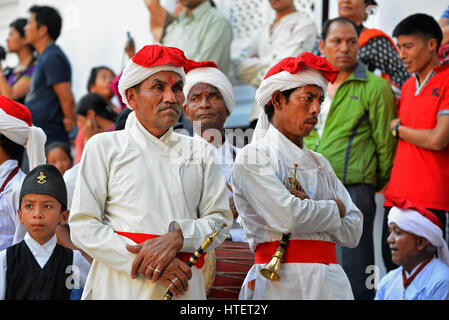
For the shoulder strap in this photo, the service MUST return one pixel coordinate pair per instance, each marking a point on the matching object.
(8, 178)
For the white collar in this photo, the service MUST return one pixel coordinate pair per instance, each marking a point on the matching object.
(41, 252)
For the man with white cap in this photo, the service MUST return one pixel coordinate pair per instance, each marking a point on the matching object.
(17, 133)
(147, 197)
(415, 237)
(209, 102)
(282, 188)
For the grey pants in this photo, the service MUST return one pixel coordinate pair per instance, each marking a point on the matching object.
(355, 261)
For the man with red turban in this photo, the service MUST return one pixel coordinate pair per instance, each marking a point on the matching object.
(147, 197)
(316, 212)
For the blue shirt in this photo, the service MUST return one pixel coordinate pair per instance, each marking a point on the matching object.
(52, 67)
(432, 283)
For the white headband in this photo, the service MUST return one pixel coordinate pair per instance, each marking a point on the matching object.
(133, 74)
(283, 81)
(414, 222)
(32, 138)
(214, 77)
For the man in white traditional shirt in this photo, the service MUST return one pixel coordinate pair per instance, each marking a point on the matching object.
(317, 212)
(147, 197)
(291, 33)
(16, 134)
(418, 247)
(209, 102)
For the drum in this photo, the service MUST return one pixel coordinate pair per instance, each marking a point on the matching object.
(225, 270)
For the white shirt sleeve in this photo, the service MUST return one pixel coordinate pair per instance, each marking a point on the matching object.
(256, 183)
(86, 217)
(2, 274)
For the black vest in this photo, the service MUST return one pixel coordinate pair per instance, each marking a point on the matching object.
(25, 280)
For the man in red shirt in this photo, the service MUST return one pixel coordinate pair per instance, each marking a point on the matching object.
(421, 167)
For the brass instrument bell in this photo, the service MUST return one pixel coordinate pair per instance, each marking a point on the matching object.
(271, 269)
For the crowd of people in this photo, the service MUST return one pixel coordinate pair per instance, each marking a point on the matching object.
(105, 201)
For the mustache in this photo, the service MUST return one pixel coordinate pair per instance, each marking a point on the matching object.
(165, 106)
(312, 118)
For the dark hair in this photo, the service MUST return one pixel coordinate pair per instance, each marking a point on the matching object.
(12, 149)
(19, 25)
(93, 75)
(422, 25)
(58, 144)
(49, 17)
(269, 108)
(328, 24)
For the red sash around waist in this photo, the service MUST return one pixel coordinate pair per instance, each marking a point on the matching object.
(141, 237)
(298, 251)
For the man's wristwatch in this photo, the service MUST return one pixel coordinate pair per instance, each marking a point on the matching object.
(395, 130)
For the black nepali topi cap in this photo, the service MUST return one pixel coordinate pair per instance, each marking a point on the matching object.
(45, 179)
(94, 101)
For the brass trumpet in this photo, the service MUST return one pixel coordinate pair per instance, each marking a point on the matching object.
(195, 256)
(271, 269)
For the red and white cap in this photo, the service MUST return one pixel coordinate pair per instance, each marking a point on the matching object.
(291, 73)
(421, 222)
(150, 60)
(208, 72)
(17, 125)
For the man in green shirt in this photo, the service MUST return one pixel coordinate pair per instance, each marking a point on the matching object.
(353, 133)
(199, 30)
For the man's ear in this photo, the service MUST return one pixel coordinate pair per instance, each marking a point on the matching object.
(187, 112)
(42, 31)
(277, 99)
(20, 216)
(64, 217)
(130, 95)
(432, 44)
(421, 243)
(321, 46)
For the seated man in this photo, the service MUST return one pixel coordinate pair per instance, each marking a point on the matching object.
(314, 208)
(415, 237)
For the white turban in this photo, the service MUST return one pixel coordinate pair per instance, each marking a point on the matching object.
(32, 138)
(133, 74)
(214, 77)
(414, 222)
(283, 81)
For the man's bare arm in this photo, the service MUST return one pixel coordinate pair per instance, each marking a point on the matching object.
(157, 18)
(435, 139)
(65, 96)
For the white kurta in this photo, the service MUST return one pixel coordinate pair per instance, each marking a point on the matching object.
(294, 34)
(225, 156)
(131, 181)
(70, 182)
(267, 209)
(11, 231)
